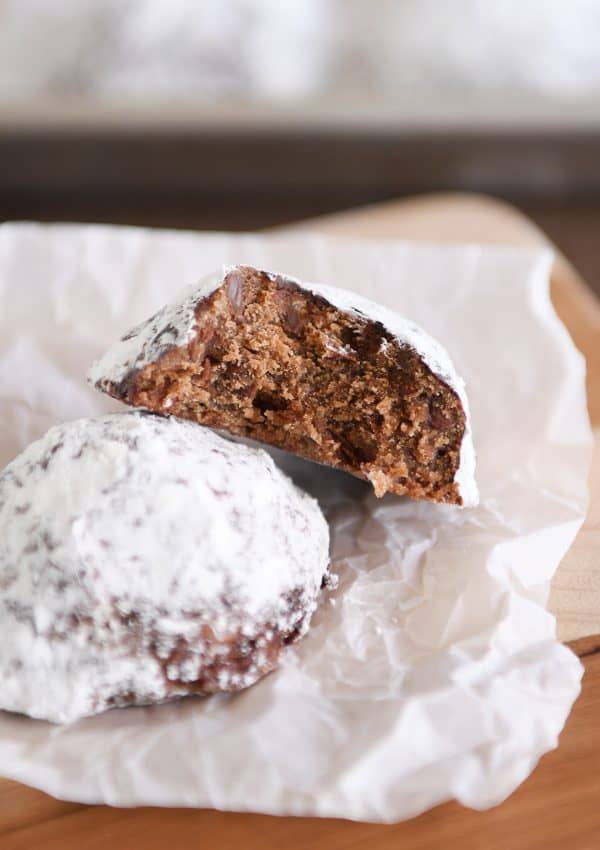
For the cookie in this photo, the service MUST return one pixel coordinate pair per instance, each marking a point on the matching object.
(313, 370)
(144, 558)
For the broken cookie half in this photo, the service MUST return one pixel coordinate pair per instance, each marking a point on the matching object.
(315, 370)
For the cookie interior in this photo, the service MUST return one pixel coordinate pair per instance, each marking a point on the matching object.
(273, 361)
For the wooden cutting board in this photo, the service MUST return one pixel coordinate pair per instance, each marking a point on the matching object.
(558, 806)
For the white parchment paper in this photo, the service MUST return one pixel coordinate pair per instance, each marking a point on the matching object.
(433, 671)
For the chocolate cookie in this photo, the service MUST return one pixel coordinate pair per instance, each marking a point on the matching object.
(317, 371)
(144, 558)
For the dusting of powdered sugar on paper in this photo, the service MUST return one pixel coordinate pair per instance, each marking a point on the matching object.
(137, 524)
(175, 324)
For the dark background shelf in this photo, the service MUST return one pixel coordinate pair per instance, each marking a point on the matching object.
(242, 179)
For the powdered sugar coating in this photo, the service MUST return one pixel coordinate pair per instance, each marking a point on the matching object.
(175, 325)
(121, 539)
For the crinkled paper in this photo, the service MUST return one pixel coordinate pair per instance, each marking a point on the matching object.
(433, 671)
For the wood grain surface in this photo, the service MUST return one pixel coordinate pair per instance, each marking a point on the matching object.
(557, 807)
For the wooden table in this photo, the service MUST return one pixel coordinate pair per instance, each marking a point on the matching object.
(558, 806)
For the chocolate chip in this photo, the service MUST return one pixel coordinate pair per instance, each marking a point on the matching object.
(235, 292)
(265, 400)
(291, 310)
(365, 340)
(356, 446)
(293, 320)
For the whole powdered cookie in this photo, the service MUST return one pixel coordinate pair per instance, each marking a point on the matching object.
(144, 558)
(315, 370)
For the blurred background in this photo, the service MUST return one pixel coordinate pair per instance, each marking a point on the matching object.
(242, 114)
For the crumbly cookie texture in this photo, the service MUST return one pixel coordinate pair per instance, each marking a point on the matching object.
(311, 369)
(144, 558)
